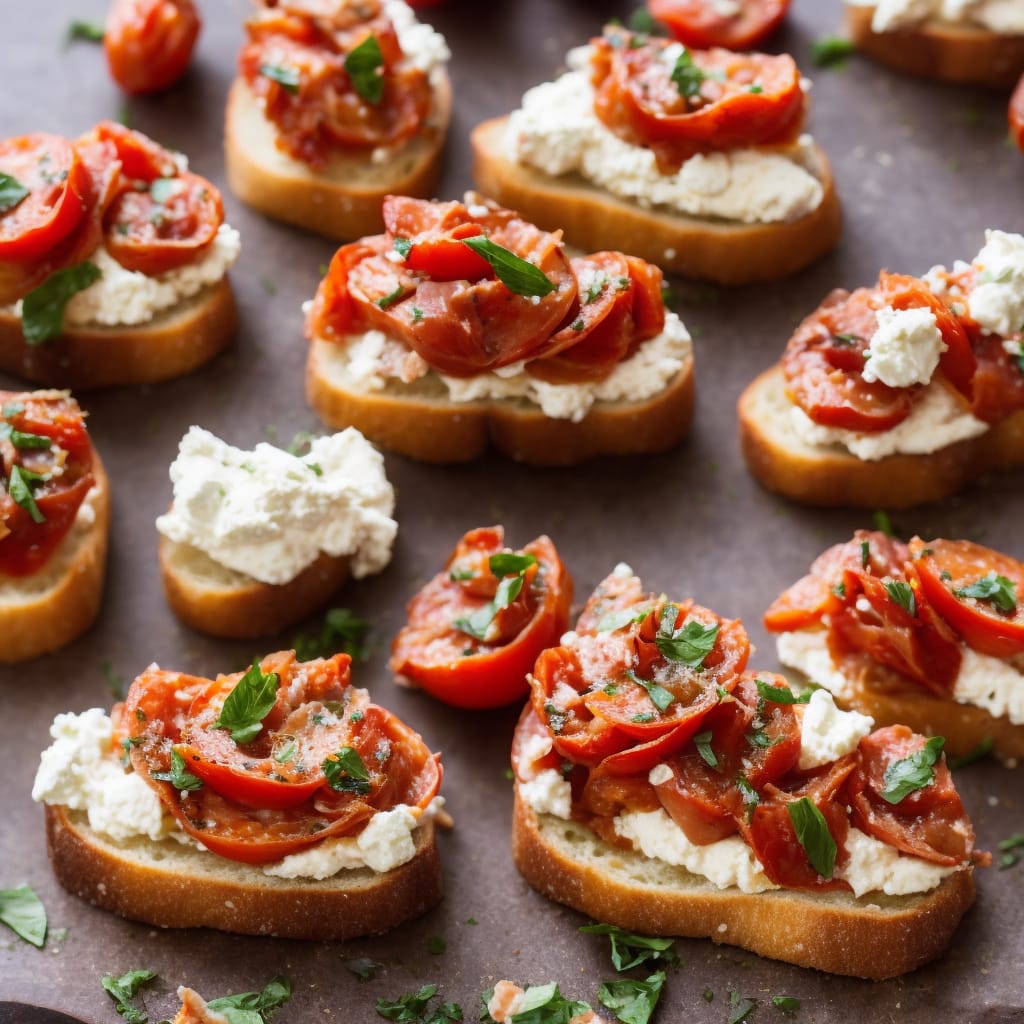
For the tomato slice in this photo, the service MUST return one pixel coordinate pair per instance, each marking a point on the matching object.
(447, 258)
(617, 600)
(998, 383)
(978, 591)
(58, 187)
(1015, 114)
(149, 43)
(702, 23)
(458, 667)
(141, 158)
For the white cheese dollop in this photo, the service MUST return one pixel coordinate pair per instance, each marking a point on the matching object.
(548, 793)
(905, 349)
(826, 733)
(269, 514)
(997, 299)
(875, 866)
(1003, 16)
(424, 47)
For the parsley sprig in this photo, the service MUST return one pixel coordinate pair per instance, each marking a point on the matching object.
(248, 704)
(690, 645)
(511, 569)
(992, 589)
(629, 950)
(179, 776)
(346, 772)
(909, 774)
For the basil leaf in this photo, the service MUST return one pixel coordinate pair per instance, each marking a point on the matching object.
(477, 624)
(781, 695)
(362, 65)
(403, 246)
(346, 773)
(787, 1004)
(23, 441)
(831, 51)
(179, 776)
(686, 76)
(408, 1008)
(813, 835)
(23, 912)
(387, 301)
(287, 78)
(85, 31)
(123, 989)
(983, 749)
(515, 273)
(998, 591)
(912, 773)
(702, 741)
(1012, 850)
(740, 1008)
(902, 593)
(544, 1004)
(342, 631)
(42, 311)
(19, 487)
(248, 704)
(883, 522)
(616, 620)
(632, 1002)
(629, 950)
(11, 192)
(362, 967)
(256, 1006)
(690, 645)
(508, 563)
(751, 797)
(661, 697)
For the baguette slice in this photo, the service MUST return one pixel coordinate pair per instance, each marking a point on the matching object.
(782, 462)
(419, 421)
(962, 54)
(222, 602)
(174, 343)
(342, 201)
(177, 886)
(714, 250)
(876, 936)
(49, 609)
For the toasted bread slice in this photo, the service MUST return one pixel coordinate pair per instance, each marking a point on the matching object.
(420, 421)
(222, 602)
(173, 885)
(875, 936)
(950, 53)
(174, 343)
(49, 609)
(713, 250)
(782, 462)
(342, 201)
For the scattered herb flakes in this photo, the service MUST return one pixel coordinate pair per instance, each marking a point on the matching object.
(123, 989)
(883, 523)
(178, 776)
(629, 950)
(702, 741)
(909, 774)
(632, 1001)
(23, 912)
(346, 773)
(708, 996)
(831, 51)
(787, 1004)
(687, 76)
(780, 694)
(740, 1008)
(902, 594)
(1011, 850)
(11, 192)
(436, 945)
(268, 285)
(253, 1007)
(84, 32)
(992, 589)
(116, 684)
(509, 774)
(341, 631)
(410, 1008)
(362, 967)
(471, 920)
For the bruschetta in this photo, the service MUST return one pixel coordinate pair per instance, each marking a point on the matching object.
(664, 787)
(693, 159)
(113, 261)
(336, 105)
(897, 394)
(257, 540)
(929, 634)
(54, 522)
(277, 801)
(464, 324)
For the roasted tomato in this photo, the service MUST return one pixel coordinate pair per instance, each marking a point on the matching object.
(978, 591)
(1016, 114)
(258, 765)
(45, 470)
(149, 43)
(476, 629)
(704, 23)
(687, 102)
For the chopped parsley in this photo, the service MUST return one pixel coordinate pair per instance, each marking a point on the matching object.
(686, 76)
(902, 594)
(780, 694)
(254, 1007)
(123, 989)
(85, 32)
(286, 77)
(341, 631)
(1012, 850)
(346, 773)
(740, 1008)
(19, 487)
(511, 569)
(386, 301)
(702, 741)
(660, 697)
(632, 1001)
(831, 51)
(993, 589)
(690, 645)
(179, 776)
(12, 192)
(912, 773)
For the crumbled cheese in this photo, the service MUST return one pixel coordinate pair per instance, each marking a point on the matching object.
(826, 733)
(535, 747)
(997, 299)
(807, 651)
(269, 514)
(1003, 16)
(557, 132)
(548, 793)
(423, 47)
(938, 418)
(126, 297)
(905, 349)
(659, 774)
(875, 866)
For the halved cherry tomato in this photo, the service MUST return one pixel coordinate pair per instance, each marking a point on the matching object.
(451, 661)
(703, 23)
(58, 187)
(447, 258)
(1015, 114)
(992, 624)
(141, 158)
(149, 42)
(998, 383)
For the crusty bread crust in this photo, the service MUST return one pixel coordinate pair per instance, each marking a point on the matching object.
(782, 462)
(177, 886)
(949, 53)
(221, 602)
(419, 421)
(344, 200)
(714, 250)
(50, 609)
(173, 344)
(876, 936)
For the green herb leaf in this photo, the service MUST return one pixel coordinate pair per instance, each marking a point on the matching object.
(11, 192)
(1012, 850)
(386, 301)
(288, 751)
(623, 617)
(287, 78)
(254, 1006)
(248, 704)
(787, 1004)
(436, 945)
(902, 593)
(544, 1004)
(19, 487)
(641, 20)
(508, 563)
(24, 441)
(364, 65)
(162, 189)
(813, 835)
(409, 1008)
(42, 312)
(477, 624)
(995, 590)
(346, 773)
(362, 967)
(687, 77)
(702, 741)
(751, 797)
(417, 315)
(179, 776)
(629, 950)
(632, 1002)
(831, 51)
(515, 273)
(740, 1008)
(708, 996)
(912, 773)
(85, 32)
(342, 631)
(883, 523)
(122, 990)
(844, 339)
(402, 246)
(661, 697)
(690, 645)
(983, 749)
(780, 694)
(23, 912)
(865, 554)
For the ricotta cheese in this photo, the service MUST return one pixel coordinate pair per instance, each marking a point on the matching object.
(826, 733)
(875, 866)
(905, 349)
(556, 131)
(424, 47)
(997, 299)
(1003, 16)
(269, 514)
(548, 793)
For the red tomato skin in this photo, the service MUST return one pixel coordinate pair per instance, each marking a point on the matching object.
(696, 23)
(1015, 114)
(149, 43)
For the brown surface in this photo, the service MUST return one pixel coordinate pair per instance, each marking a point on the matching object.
(921, 169)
